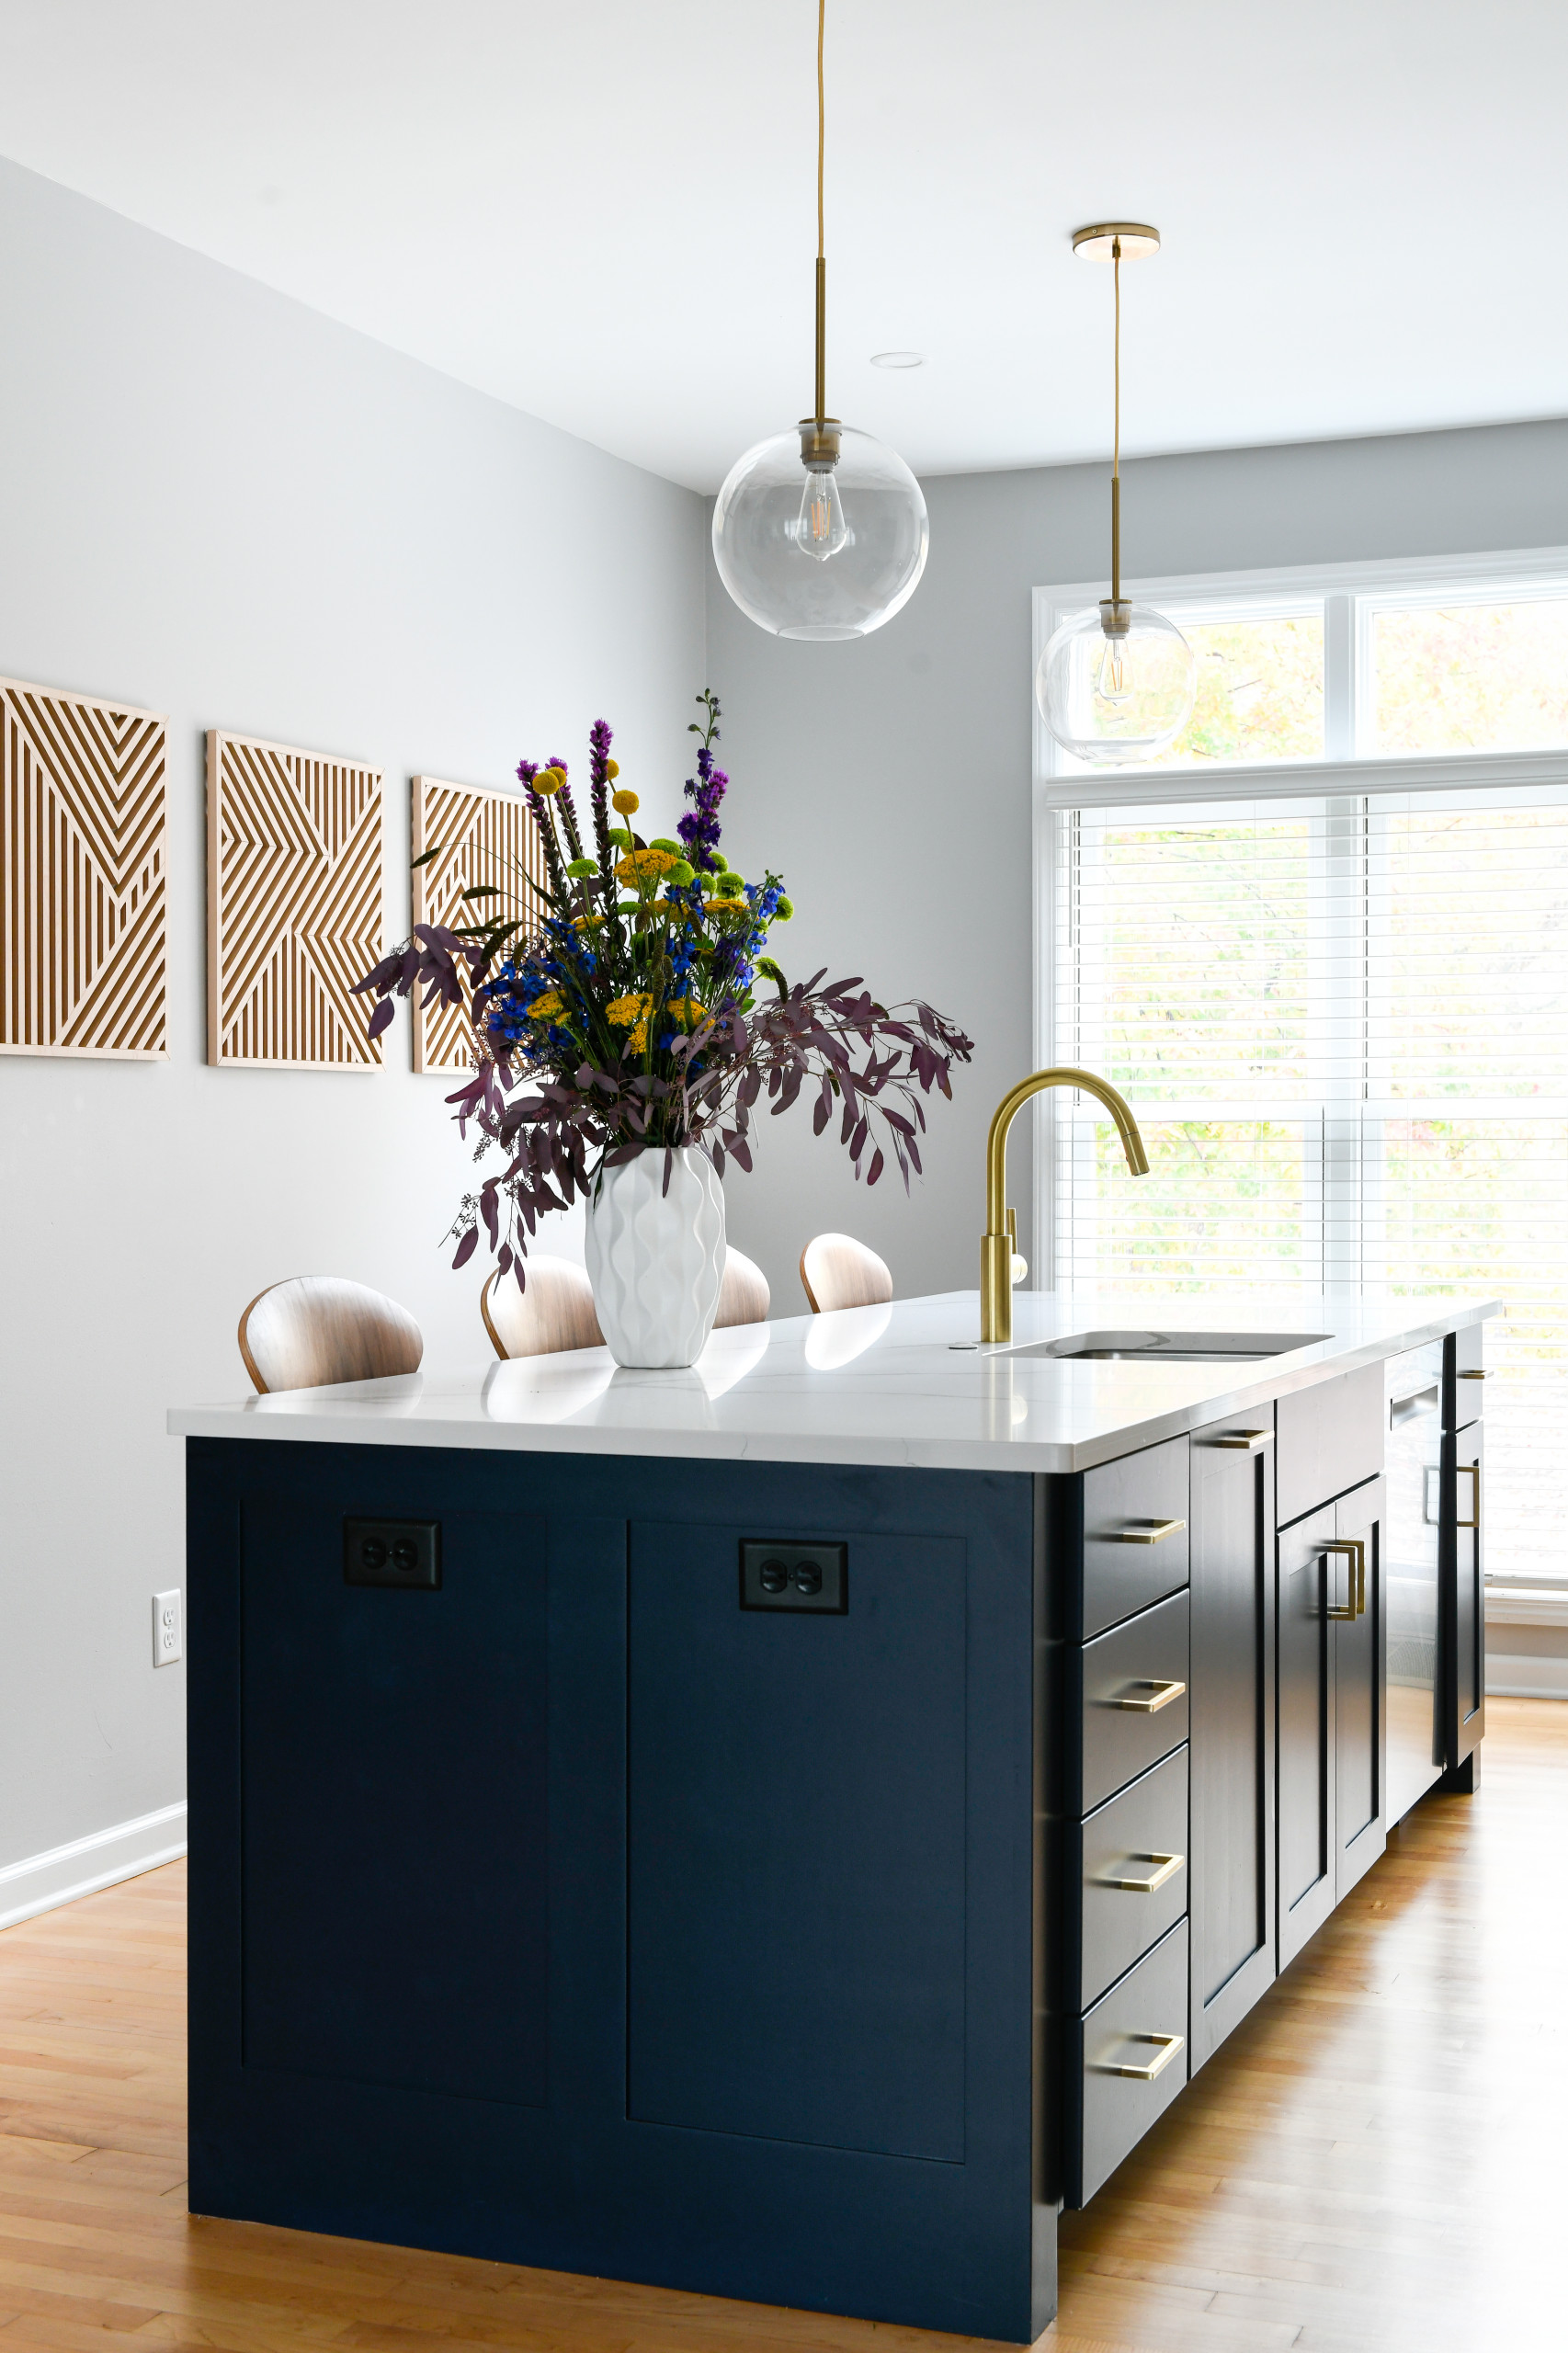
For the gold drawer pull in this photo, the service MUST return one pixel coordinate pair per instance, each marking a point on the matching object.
(1169, 2045)
(1146, 1532)
(1356, 1580)
(1163, 1693)
(1472, 1376)
(1474, 1471)
(1248, 1441)
(1168, 1866)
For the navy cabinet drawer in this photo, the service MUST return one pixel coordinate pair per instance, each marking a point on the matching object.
(1140, 2024)
(1133, 1714)
(1329, 1438)
(1133, 1858)
(1135, 1515)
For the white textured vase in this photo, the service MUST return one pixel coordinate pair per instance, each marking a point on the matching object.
(656, 1258)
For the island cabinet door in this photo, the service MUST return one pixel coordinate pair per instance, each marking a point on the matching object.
(1307, 1589)
(1233, 1840)
(1463, 1597)
(1360, 1680)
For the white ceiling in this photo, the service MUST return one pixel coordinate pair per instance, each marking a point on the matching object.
(603, 210)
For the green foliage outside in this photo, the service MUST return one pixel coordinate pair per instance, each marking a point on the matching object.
(1211, 966)
(1470, 677)
(1259, 692)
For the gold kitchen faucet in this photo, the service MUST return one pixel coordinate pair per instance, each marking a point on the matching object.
(999, 1239)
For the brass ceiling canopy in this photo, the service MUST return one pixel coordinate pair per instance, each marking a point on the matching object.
(1100, 242)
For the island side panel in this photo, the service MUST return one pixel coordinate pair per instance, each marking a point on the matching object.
(430, 1790)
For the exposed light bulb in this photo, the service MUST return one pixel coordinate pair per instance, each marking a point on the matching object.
(820, 528)
(1113, 680)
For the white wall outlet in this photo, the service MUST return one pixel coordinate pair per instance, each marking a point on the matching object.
(168, 1629)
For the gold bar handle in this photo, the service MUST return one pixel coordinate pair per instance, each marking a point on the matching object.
(1472, 1376)
(1163, 1694)
(1169, 2045)
(1474, 1471)
(1247, 1441)
(1168, 1867)
(1145, 1531)
(1355, 1581)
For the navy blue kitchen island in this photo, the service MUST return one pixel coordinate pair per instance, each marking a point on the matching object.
(615, 1852)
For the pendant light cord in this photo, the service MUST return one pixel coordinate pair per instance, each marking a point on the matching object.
(821, 248)
(822, 122)
(1115, 444)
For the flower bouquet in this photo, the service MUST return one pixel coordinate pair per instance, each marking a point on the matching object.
(628, 1022)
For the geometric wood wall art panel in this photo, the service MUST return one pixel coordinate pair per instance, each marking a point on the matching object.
(482, 838)
(293, 905)
(82, 875)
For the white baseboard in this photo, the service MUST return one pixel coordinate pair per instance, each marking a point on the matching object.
(1525, 1676)
(40, 1882)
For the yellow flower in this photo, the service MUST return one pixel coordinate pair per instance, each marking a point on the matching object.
(549, 780)
(638, 1041)
(688, 1008)
(623, 1010)
(546, 1007)
(612, 769)
(645, 866)
(625, 800)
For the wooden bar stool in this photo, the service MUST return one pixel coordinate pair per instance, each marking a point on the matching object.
(314, 1330)
(556, 1311)
(743, 1295)
(838, 1271)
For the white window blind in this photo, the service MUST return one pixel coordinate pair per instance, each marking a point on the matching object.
(1343, 1022)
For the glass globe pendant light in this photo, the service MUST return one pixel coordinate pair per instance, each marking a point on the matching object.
(1116, 683)
(820, 531)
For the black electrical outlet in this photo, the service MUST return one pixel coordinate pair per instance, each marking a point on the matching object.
(404, 1553)
(813, 1578)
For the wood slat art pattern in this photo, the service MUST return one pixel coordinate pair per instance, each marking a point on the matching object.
(293, 905)
(82, 875)
(482, 838)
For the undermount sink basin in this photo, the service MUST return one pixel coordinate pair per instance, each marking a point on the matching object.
(1171, 1348)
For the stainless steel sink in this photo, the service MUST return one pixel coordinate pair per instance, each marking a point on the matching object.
(1171, 1348)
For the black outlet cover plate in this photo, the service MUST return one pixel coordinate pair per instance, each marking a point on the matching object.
(398, 1553)
(810, 1578)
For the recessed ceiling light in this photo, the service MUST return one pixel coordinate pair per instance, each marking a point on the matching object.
(898, 359)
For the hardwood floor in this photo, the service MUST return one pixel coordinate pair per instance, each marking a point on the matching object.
(1374, 2162)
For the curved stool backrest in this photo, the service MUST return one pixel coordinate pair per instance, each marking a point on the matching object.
(743, 1294)
(838, 1271)
(317, 1329)
(556, 1311)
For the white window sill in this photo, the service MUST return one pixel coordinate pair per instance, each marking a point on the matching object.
(1526, 1606)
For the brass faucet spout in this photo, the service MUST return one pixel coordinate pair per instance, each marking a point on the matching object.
(996, 1242)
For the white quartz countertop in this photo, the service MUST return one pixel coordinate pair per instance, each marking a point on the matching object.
(890, 1386)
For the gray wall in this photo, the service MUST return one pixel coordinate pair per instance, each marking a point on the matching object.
(217, 503)
(890, 781)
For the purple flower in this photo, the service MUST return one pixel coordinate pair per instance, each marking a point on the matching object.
(699, 828)
(600, 738)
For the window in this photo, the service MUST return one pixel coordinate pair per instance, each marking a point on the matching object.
(1342, 1016)
(1260, 687)
(1466, 677)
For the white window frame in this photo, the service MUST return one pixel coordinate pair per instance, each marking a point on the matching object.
(1346, 590)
